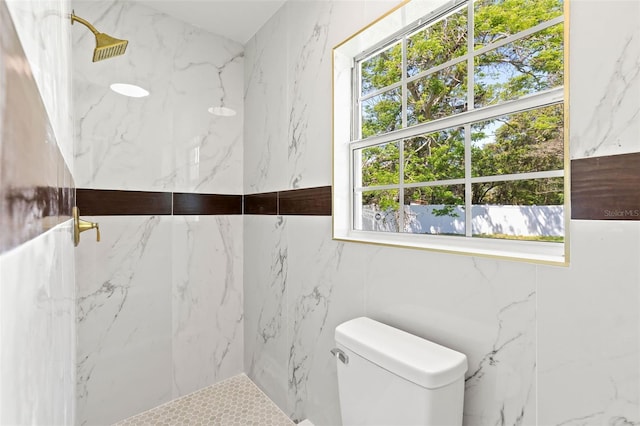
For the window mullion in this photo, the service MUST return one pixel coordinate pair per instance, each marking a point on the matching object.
(381, 91)
(356, 75)
(404, 97)
(541, 99)
(468, 189)
(355, 212)
(404, 82)
(519, 36)
(470, 57)
(356, 181)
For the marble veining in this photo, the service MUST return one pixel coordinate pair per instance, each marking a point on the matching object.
(162, 317)
(35, 182)
(160, 307)
(186, 71)
(509, 341)
(207, 301)
(37, 331)
(309, 319)
(307, 72)
(270, 324)
(605, 116)
(587, 361)
(604, 128)
(266, 128)
(265, 318)
(119, 283)
(37, 286)
(124, 319)
(45, 34)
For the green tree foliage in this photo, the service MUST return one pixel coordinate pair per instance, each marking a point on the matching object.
(524, 142)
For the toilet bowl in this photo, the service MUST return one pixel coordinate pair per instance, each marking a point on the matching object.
(389, 377)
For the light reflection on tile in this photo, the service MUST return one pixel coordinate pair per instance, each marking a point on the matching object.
(166, 141)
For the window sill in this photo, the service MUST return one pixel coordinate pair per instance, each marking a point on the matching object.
(535, 252)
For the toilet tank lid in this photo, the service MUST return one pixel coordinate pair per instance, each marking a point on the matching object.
(411, 357)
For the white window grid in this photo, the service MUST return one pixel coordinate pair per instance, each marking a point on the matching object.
(554, 96)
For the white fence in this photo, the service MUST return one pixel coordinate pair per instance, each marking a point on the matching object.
(486, 219)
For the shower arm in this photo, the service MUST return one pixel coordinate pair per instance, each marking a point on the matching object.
(75, 18)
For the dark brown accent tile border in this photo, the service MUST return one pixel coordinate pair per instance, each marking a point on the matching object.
(31, 211)
(606, 188)
(106, 202)
(308, 201)
(264, 203)
(206, 204)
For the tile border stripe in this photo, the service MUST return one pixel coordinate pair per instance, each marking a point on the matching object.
(606, 188)
(307, 202)
(105, 202)
(265, 203)
(206, 204)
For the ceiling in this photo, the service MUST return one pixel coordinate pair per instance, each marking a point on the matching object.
(237, 20)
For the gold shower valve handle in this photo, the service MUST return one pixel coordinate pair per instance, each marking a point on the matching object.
(80, 225)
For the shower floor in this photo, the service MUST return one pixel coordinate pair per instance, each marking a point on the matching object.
(235, 401)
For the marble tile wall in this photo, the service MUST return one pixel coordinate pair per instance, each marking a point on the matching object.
(37, 291)
(166, 141)
(207, 301)
(159, 311)
(546, 345)
(37, 331)
(160, 305)
(44, 31)
(124, 319)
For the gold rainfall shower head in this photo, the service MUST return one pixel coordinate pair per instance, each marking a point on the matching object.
(106, 46)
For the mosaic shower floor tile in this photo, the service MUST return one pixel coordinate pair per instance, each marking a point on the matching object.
(235, 401)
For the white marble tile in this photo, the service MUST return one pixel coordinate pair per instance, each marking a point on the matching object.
(604, 92)
(207, 301)
(45, 33)
(482, 308)
(309, 78)
(35, 185)
(37, 291)
(185, 315)
(207, 71)
(115, 147)
(168, 140)
(159, 311)
(314, 28)
(589, 329)
(265, 98)
(37, 331)
(326, 288)
(266, 260)
(287, 142)
(124, 318)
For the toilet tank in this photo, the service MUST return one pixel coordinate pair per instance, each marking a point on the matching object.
(390, 377)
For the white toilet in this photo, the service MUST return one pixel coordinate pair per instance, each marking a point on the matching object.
(389, 377)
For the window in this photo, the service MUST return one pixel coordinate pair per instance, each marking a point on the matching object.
(449, 129)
